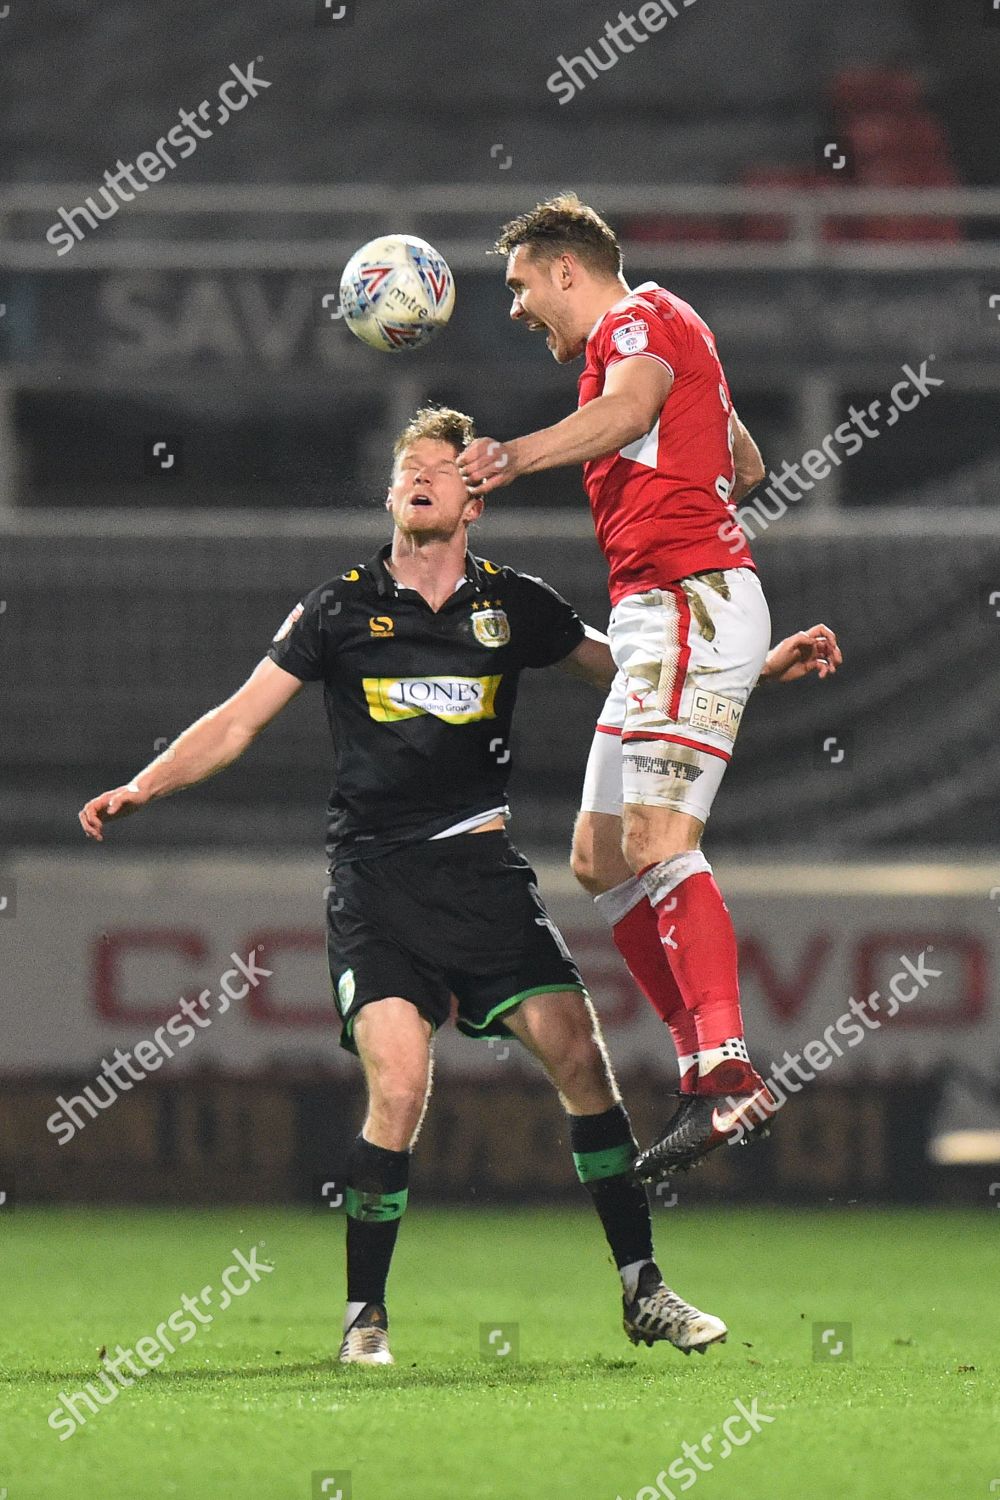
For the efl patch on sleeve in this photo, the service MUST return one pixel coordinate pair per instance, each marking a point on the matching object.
(288, 623)
(631, 338)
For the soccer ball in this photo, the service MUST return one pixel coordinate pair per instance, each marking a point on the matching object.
(396, 293)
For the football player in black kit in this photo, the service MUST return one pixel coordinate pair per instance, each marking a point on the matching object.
(431, 906)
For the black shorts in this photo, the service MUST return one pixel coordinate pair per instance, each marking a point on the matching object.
(458, 916)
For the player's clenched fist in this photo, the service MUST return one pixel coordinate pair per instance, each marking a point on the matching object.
(812, 650)
(108, 807)
(487, 465)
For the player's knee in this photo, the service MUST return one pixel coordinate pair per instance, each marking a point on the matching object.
(648, 842)
(583, 863)
(595, 858)
(641, 852)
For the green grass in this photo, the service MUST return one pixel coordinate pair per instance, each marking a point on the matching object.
(254, 1405)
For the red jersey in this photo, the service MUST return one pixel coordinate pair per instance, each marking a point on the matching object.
(660, 503)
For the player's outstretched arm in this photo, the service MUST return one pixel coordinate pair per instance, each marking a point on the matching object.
(211, 743)
(634, 392)
(813, 650)
(591, 661)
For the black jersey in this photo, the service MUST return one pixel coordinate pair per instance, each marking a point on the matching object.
(420, 703)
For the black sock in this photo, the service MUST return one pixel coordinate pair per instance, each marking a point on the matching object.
(376, 1197)
(603, 1151)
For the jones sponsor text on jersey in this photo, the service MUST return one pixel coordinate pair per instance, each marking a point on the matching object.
(418, 699)
(456, 700)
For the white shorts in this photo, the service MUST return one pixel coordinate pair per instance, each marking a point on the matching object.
(688, 658)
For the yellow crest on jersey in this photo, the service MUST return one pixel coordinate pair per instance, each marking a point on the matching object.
(491, 627)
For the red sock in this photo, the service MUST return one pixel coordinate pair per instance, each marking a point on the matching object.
(637, 938)
(697, 935)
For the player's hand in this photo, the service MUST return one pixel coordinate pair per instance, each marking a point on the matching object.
(109, 807)
(813, 650)
(487, 465)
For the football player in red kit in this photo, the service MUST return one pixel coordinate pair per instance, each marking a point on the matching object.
(666, 460)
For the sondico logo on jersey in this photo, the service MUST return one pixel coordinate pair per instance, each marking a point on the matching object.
(455, 700)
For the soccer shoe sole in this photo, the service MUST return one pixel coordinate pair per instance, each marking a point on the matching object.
(714, 1337)
(689, 1163)
(648, 1171)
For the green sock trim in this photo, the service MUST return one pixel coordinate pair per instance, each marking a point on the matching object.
(614, 1162)
(375, 1208)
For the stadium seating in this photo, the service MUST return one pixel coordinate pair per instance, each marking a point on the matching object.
(369, 85)
(895, 141)
(881, 119)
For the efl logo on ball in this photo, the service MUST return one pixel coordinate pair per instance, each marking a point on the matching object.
(397, 292)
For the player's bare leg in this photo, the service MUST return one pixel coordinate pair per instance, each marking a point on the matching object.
(599, 864)
(562, 1031)
(597, 859)
(394, 1044)
(662, 845)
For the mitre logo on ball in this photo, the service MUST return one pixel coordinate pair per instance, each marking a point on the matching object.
(397, 292)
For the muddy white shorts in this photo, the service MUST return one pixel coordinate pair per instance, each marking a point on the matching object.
(688, 656)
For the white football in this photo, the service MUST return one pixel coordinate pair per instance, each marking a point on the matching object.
(396, 293)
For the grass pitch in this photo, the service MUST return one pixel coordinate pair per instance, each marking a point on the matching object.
(254, 1405)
